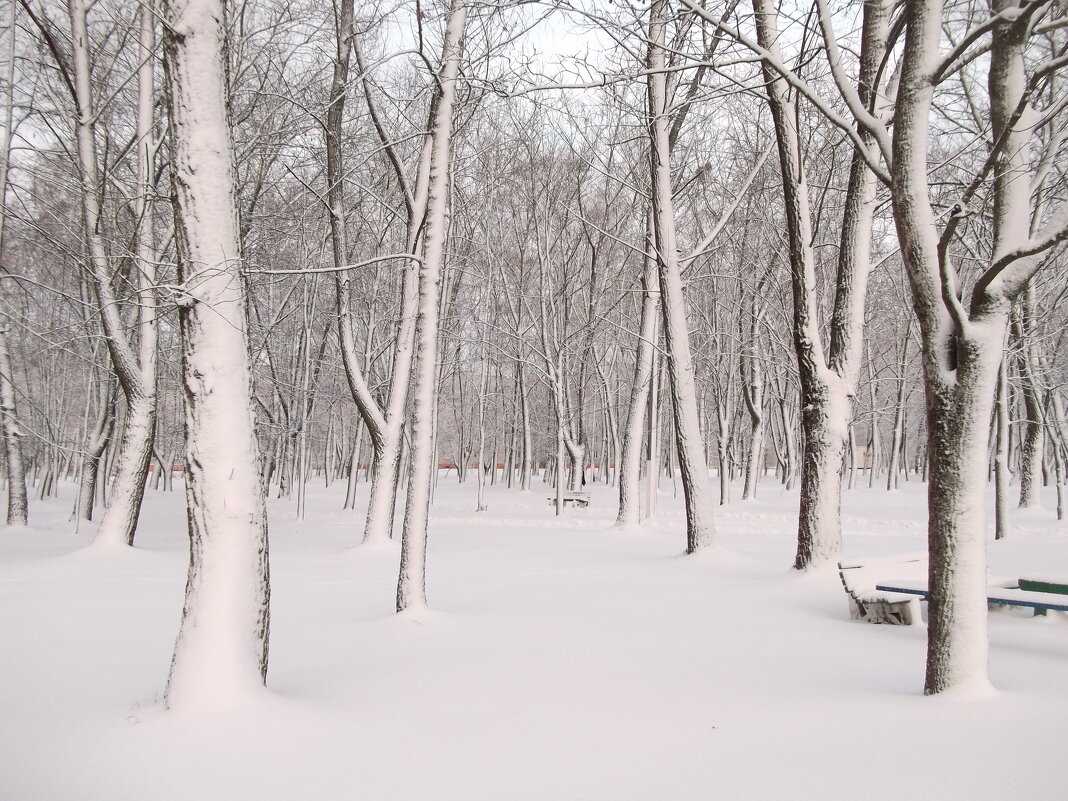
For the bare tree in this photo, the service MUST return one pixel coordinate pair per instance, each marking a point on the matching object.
(411, 586)
(688, 437)
(15, 468)
(221, 649)
(828, 375)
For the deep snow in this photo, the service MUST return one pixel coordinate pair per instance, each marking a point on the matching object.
(561, 659)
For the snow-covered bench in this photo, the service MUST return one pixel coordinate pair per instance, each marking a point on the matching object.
(869, 601)
(878, 599)
(576, 497)
(1054, 585)
(1039, 601)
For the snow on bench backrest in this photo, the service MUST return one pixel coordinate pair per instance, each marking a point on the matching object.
(859, 576)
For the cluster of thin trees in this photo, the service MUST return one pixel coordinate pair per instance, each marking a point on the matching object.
(272, 243)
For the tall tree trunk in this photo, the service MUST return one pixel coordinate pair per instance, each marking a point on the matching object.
(222, 646)
(15, 467)
(1002, 515)
(385, 426)
(1034, 424)
(139, 432)
(526, 470)
(630, 460)
(135, 367)
(653, 428)
(1059, 437)
(754, 392)
(898, 435)
(411, 585)
(828, 382)
(354, 468)
(723, 415)
(95, 448)
(689, 444)
(483, 388)
(962, 348)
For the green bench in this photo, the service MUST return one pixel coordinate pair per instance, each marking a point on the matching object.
(1041, 601)
(897, 601)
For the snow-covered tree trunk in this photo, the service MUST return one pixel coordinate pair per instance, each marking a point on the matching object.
(630, 460)
(411, 586)
(221, 651)
(385, 426)
(955, 377)
(753, 392)
(354, 468)
(1034, 424)
(700, 527)
(576, 452)
(483, 388)
(854, 457)
(874, 450)
(384, 431)
(1059, 437)
(898, 434)
(611, 447)
(135, 367)
(527, 467)
(1002, 514)
(724, 412)
(97, 444)
(958, 420)
(828, 380)
(653, 428)
(135, 451)
(14, 466)
(962, 348)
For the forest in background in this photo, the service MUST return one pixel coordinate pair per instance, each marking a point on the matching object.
(816, 240)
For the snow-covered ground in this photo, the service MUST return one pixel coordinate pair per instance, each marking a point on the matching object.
(562, 659)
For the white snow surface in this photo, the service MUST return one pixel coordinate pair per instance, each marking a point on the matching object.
(561, 659)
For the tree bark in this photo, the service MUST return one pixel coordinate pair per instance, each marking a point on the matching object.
(1034, 424)
(828, 382)
(95, 448)
(135, 450)
(222, 647)
(411, 585)
(1002, 515)
(15, 467)
(700, 527)
(134, 366)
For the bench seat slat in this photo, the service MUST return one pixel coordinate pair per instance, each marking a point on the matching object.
(995, 595)
(1055, 586)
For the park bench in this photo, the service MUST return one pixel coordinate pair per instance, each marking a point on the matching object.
(869, 602)
(896, 601)
(1038, 601)
(576, 497)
